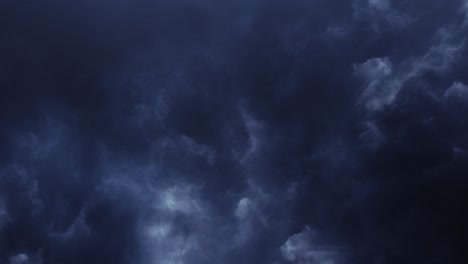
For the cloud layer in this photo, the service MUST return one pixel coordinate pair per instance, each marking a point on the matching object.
(191, 132)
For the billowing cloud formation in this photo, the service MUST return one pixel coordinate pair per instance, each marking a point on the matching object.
(190, 132)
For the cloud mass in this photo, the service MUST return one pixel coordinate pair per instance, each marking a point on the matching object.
(200, 131)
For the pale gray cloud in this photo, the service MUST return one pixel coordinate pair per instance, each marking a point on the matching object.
(305, 248)
(19, 259)
(457, 90)
(256, 132)
(380, 88)
(384, 79)
(464, 10)
(379, 13)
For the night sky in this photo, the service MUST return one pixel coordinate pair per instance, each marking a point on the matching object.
(227, 132)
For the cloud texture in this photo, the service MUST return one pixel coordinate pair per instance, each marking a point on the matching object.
(199, 131)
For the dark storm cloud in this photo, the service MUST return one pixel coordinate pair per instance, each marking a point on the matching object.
(213, 132)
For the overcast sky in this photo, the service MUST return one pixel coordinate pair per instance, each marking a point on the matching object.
(226, 132)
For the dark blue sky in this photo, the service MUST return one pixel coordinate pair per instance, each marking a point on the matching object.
(263, 131)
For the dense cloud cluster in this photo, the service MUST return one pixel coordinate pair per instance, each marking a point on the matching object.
(265, 131)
